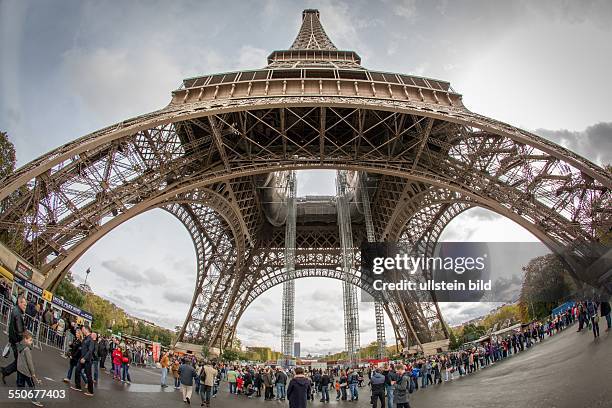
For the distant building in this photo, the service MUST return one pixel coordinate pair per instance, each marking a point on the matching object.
(296, 349)
(263, 353)
(85, 288)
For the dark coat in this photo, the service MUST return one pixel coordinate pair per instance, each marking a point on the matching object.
(16, 326)
(186, 373)
(298, 391)
(87, 349)
(401, 389)
(377, 382)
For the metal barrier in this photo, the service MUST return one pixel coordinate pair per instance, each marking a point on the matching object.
(42, 333)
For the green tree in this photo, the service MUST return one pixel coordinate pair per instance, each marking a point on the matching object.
(546, 283)
(454, 342)
(230, 355)
(69, 292)
(12, 236)
(472, 332)
(8, 157)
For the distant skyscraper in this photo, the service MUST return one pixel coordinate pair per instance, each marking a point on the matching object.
(296, 349)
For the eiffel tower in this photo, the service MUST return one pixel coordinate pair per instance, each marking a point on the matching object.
(219, 157)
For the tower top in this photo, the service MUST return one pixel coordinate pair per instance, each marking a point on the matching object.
(312, 47)
(312, 36)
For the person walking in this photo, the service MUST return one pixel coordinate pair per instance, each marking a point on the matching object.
(16, 328)
(377, 384)
(186, 375)
(298, 389)
(85, 362)
(74, 354)
(164, 362)
(207, 381)
(26, 375)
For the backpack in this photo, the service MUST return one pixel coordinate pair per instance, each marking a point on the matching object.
(203, 375)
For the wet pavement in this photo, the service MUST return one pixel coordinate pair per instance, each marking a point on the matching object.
(568, 370)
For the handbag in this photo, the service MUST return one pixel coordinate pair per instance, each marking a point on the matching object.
(6, 351)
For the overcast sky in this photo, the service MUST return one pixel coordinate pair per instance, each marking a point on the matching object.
(70, 67)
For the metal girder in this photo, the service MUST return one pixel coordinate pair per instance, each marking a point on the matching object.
(288, 316)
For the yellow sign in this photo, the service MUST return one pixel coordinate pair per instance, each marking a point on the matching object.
(6, 274)
(48, 296)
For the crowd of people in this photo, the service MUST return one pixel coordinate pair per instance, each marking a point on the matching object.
(188, 373)
(390, 384)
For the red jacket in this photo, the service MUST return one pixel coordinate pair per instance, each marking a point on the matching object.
(117, 357)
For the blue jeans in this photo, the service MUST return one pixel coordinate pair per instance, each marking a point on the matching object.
(325, 393)
(125, 372)
(95, 366)
(280, 391)
(389, 389)
(164, 376)
(69, 373)
(424, 380)
(232, 387)
(354, 391)
(205, 393)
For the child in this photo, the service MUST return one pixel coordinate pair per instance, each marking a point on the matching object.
(125, 369)
(175, 373)
(117, 361)
(25, 365)
(337, 387)
(239, 384)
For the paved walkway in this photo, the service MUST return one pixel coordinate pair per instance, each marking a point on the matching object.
(567, 370)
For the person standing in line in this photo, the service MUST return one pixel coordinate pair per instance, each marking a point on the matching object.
(16, 329)
(103, 350)
(280, 382)
(164, 362)
(401, 387)
(298, 389)
(353, 381)
(390, 376)
(186, 375)
(324, 384)
(87, 350)
(231, 380)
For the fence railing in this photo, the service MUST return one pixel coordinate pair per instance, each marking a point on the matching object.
(42, 333)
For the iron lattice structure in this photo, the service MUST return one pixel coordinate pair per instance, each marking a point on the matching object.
(288, 305)
(350, 300)
(206, 156)
(379, 312)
